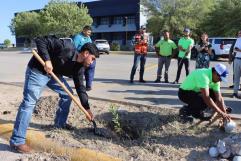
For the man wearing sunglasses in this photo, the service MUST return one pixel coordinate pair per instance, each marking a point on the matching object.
(200, 90)
(62, 58)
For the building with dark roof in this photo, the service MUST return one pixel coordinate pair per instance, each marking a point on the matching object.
(114, 20)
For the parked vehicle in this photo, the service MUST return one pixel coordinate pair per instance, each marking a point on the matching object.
(102, 46)
(220, 46)
(2, 46)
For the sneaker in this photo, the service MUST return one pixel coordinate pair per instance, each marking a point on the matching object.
(175, 82)
(187, 119)
(166, 81)
(184, 111)
(235, 95)
(88, 88)
(157, 81)
(142, 81)
(229, 109)
(23, 148)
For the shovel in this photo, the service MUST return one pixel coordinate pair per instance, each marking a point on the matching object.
(95, 130)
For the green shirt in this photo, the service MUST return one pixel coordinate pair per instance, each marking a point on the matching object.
(200, 78)
(185, 43)
(166, 47)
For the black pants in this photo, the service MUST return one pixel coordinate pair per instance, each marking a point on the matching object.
(194, 101)
(180, 62)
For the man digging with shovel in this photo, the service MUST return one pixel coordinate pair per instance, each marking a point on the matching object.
(60, 57)
(200, 90)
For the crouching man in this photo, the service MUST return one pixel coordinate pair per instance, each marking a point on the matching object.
(200, 90)
(61, 57)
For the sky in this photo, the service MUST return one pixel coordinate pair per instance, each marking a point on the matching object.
(9, 7)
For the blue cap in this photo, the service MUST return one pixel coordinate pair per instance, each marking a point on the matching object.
(222, 71)
(187, 30)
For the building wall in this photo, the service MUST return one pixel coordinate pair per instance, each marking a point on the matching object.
(114, 20)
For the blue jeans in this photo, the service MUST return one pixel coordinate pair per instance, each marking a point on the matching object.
(89, 74)
(35, 82)
(138, 58)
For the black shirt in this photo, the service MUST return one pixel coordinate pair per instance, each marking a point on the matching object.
(61, 53)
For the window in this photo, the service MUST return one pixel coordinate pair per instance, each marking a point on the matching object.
(118, 20)
(94, 21)
(224, 41)
(104, 21)
(131, 20)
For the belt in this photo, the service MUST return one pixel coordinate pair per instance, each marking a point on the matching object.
(237, 58)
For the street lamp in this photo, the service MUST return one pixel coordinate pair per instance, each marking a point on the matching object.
(126, 18)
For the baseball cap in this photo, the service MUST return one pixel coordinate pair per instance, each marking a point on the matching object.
(187, 30)
(222, 71)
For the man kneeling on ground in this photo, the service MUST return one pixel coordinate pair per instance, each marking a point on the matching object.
(61, 57)
(200, 90)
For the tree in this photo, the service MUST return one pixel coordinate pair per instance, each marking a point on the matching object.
(63, 18)
(174, 15)
(224, 19)
(59, 17)
(7, 42)
(26, 24)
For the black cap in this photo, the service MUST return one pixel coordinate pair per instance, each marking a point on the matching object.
(91, 48)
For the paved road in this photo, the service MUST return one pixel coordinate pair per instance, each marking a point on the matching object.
(112, 80)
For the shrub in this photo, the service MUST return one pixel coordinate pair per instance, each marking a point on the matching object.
(115, 47)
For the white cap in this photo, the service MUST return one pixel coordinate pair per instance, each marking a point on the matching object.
(222, 71)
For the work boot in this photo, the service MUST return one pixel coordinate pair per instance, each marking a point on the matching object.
(23, 148)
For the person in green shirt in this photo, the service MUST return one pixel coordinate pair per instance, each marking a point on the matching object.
(200, 90)
(185, 45)
(164, 49)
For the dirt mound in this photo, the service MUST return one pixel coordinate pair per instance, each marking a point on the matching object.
(46, 107)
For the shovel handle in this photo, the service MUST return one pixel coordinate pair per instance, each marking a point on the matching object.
(62, 85)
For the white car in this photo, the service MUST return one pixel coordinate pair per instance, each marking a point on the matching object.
(102, 45)
(221, 46)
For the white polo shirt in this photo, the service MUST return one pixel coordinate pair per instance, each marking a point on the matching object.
(238, 45)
